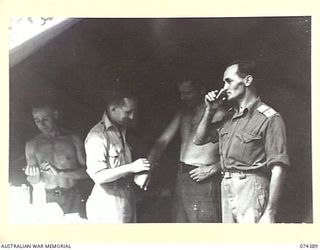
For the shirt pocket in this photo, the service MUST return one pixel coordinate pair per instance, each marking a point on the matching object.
(114, 155)
(249, 147)
(223, 139)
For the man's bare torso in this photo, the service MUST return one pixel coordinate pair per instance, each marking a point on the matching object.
(190, 153)
(59, 151)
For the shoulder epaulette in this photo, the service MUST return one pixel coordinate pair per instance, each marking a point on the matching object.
(266, 110)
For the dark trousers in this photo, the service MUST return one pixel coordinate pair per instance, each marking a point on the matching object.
(196, 202)
(69, 199)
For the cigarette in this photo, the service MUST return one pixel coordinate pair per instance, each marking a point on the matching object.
(220, 93)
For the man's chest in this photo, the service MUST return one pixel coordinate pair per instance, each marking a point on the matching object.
(189, 124)
(54, 148)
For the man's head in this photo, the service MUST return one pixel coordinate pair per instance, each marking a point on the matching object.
(191, 92)
(121, 107)
(45, 117)
(238, 79)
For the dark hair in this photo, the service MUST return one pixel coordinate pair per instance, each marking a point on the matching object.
(196, 82)
(42, 103)
(245, 67)
(116, 93)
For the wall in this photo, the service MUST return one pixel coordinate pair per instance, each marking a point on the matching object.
(150, 54)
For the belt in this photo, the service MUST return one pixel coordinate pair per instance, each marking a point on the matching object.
(59, 191)
(186, 168)
(241, 174)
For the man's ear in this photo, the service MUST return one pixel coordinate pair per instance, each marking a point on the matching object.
(248, 80)
(112, 107)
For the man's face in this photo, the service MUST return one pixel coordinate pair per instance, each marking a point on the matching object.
(189, 94)
(233, 83)
(45, 119)
(124, 115)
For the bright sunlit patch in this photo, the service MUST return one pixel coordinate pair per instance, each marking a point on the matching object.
(22, 29)
(24, 210)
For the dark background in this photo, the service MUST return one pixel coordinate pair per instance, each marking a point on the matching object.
(150, 55)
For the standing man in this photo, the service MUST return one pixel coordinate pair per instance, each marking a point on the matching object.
(55, 157)
(197, 194)
(253, 148)
(109, 162)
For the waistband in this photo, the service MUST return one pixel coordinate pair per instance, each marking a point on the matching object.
(59, 191)
(241, 174)
(186, 168)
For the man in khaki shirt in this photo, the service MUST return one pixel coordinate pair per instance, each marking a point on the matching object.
(109, 162)
(253, 148)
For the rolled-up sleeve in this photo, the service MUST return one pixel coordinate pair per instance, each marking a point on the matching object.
(96, 154)
(276, 142)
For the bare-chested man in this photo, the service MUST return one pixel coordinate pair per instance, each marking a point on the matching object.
(56, 158)
(197, 194)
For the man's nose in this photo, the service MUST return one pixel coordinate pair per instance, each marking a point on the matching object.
(131, 116)
(41, 123)
(226, 86)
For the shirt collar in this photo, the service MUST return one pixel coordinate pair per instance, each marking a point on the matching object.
(254, 105)
(248, 109)
(106, 121)
(108, 125)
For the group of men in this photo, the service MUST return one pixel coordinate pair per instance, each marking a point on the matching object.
(233, 155)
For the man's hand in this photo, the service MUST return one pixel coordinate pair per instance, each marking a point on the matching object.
(32, 170)
(212, 100)
(203, 172)
(49, 168)
(142, 180)
(33, 174)
(140, 165)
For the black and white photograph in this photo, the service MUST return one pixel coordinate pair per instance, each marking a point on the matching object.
(160, 120)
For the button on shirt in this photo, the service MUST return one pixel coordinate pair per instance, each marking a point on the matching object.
(252, 139)
(106, 148)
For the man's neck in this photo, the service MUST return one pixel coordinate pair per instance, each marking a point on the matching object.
(53, 134)
(195, 107)
(115, 124)
(246, 101)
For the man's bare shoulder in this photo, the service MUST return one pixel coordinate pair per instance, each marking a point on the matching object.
(33, 141)
(71, 135)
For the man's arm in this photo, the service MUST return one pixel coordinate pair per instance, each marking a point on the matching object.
(204, 133)
(98, 167)
(112, 174)
(32, 170)
(166, 137)
(278, 161)
(275, 189)
(160, 145)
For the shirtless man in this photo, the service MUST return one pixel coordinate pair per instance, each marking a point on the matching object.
(197, 187)
(55, 157)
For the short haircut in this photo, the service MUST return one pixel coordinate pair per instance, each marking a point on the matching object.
(245, 67)
(196, 82)
(116, 94)
(43, 103)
